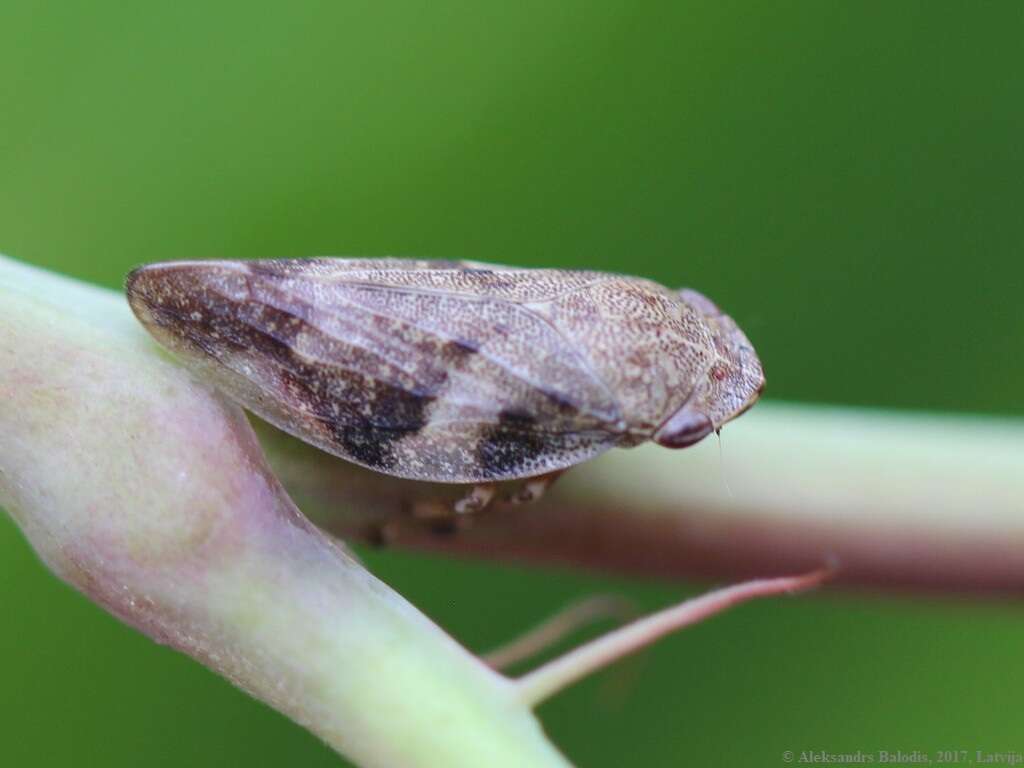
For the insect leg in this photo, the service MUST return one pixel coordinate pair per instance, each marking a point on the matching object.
(536, 487)
(477, 499)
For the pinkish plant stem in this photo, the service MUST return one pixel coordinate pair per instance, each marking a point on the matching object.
(557, 675)
(559, 626)
(907, 502)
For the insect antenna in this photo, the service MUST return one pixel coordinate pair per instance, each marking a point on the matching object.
(721, 466)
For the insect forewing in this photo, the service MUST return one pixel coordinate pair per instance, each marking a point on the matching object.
(431, 370)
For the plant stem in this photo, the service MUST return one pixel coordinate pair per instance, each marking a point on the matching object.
(556, 675)
(143, 488)
(905, 502)
(557, 627)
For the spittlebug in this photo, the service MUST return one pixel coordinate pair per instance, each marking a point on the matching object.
(454, 372)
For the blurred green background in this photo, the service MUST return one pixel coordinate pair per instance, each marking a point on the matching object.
(845, 178)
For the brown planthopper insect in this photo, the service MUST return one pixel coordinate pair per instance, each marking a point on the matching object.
(454, 372)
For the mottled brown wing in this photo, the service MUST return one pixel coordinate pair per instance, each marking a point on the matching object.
(430, 370)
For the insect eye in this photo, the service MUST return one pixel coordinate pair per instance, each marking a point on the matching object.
(683, 428)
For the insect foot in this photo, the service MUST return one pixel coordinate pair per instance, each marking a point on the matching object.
(477, 499)
(535, 488)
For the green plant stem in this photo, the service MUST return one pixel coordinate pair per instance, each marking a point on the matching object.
(148, 492)
(900, 502)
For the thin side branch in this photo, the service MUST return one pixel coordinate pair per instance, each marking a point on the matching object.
(559, 626)
(556, 675)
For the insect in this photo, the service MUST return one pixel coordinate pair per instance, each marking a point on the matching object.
(455, 372)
